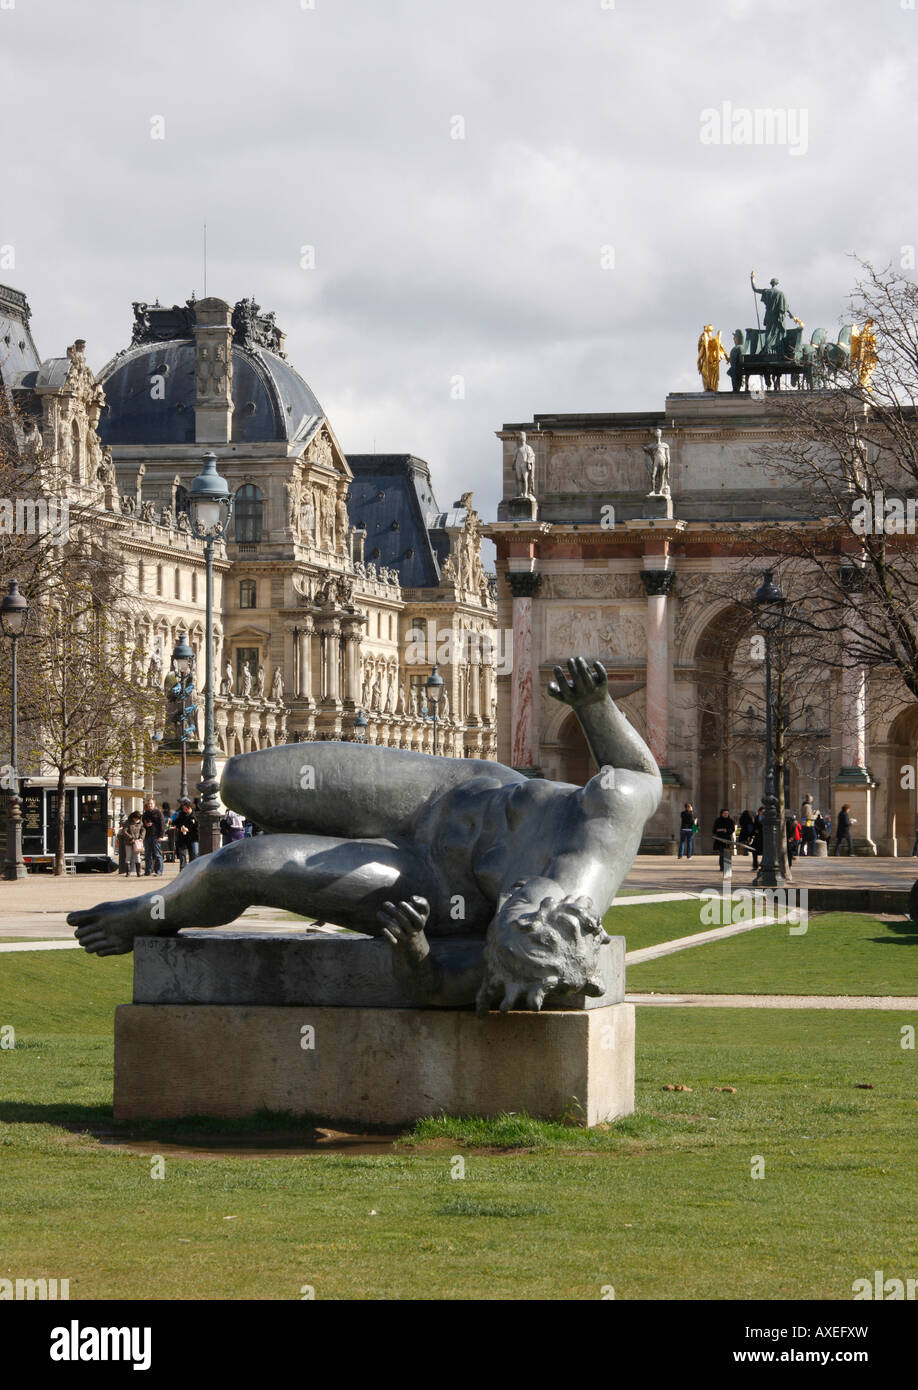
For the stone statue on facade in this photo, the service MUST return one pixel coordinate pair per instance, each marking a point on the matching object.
(227, 683)
(277, 686)
(402, 706)
(524, 466)
(32, 441)
(245, 689)
(658, 454)
(292, 489)
(147, 512)
(537, 862)
(260, 683)
(342, 522)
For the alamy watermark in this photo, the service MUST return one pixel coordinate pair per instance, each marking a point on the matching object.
(442, 646)
(727, 124)
(725, 907)
(41, 516)
(880, 515)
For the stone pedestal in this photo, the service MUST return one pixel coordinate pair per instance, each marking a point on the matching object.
(387, 1067)
(229, 967)
(519, 509)
(656, 507)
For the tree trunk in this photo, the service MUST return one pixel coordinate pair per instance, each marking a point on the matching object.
(60, 866)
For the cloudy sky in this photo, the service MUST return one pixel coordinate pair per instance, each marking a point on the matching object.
(462, 211)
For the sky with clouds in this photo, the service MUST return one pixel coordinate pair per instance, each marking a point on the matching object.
(561, 256)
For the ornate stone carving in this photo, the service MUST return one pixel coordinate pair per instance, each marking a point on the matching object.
(321, 452)
(606, 632)
(587, 585)
(658, 582)
(523, 583)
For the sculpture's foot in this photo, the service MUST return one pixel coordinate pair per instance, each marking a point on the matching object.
(110, 928)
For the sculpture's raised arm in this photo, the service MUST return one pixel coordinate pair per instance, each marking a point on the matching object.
(612, 740)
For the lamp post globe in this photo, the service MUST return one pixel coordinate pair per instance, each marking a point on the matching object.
(360, 727)
(14, 613)
(210, 509)
(769, 605)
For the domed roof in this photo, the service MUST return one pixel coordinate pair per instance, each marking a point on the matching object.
(271, 401)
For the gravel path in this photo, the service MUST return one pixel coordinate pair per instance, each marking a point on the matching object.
(903, 1003)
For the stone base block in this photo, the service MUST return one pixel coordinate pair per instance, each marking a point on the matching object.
(386, 1067)
(205, 967)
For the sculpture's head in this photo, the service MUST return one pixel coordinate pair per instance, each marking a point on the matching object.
(773, 282)
(533, 952)
(522, 436)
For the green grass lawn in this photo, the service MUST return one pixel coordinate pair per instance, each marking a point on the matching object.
(646, 924)
(840, 953)
(659, 1205)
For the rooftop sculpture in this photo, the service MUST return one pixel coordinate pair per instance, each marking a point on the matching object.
(772, 352)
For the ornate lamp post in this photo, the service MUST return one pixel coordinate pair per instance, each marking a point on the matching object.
(434, 688)
(769, 603)
(14, 612)
(360, 727)
(210, 508)
(182, 692)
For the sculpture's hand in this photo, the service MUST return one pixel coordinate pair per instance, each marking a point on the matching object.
(587, 685)
(403, 925)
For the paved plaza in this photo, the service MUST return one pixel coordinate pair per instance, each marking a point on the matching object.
(36, 908)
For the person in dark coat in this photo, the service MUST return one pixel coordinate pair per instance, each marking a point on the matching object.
(843, 829)
(187, 835)
(723, 831)
(687, 827)
(152, 834)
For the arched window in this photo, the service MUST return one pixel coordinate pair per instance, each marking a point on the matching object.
(248, 511)
(178, 583)
(159, 580)
(194, 586)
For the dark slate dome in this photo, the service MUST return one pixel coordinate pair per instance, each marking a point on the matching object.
(271, 401)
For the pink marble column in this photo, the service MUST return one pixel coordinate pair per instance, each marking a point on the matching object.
(522, 708)
(854, 717)
(658, 584)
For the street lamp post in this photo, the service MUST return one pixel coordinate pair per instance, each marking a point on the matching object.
(182, 690)
(434, 687)
(360, 727)
(210, 508)
(14, 612)
(769, 603)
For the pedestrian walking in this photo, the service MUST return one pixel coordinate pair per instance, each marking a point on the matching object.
(688, 829)
(792, 826)
(723, 830)
(843, 829)
(130, 836)
(187, 834)
(808, 814)
(232, 826)
(758, 838)
(153, 833)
